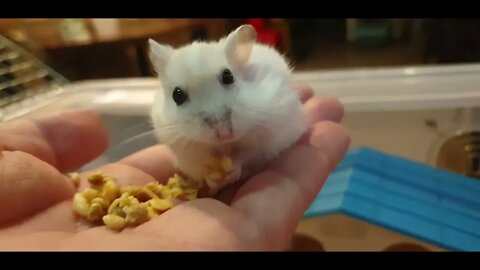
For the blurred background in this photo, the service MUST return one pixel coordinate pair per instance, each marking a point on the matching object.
(114, 48)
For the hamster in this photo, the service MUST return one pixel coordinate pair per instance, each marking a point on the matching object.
(231, 97)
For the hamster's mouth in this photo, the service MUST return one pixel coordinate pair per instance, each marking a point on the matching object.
(225, 140)
(224, 136)
(222, 140)
(222, 133)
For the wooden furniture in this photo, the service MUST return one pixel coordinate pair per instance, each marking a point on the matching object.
(120, 52)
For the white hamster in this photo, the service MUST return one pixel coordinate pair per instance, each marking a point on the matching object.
(230, 97)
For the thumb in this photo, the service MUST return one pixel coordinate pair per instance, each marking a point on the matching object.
(29, 185)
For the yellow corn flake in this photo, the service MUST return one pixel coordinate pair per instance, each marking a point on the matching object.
(150, 194)
(174, 193)
(175, 181)
(132, 190)
(108, 178)
(142, 194)
(217, 170)
(75, 178)
(115, 204)
(128, 200)
(160, 204)
(80, 204)
(136, 214)
(156, 188)
(101, 201)
(90, 194)
(163, 192)
(226, 163)
(114, 222)
(110, 191)
(95, 212)
(121, 202)
(117, 211)
(168, 192)
(96, 179)
(151, 213)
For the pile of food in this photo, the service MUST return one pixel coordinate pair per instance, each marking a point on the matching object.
(105, 202)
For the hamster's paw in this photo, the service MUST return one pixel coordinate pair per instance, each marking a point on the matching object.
(231, 173)
(233, 176)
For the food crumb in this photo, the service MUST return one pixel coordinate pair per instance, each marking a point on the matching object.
(75, 178)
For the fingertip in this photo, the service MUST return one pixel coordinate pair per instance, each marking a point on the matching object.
(29, 185)
(93, 123)
(305, 92)
(324, 109)
(332, 138)
(157, 161)
(75, 137)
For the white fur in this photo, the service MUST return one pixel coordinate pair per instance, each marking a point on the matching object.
(267, 114)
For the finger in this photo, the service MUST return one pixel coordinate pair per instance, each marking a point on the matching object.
(157, 161)
(227, 193)
(324, 109)
(138, 169)
(305, 93)
(66, 141)
(288, 187)
(28, 185)
(59, 218)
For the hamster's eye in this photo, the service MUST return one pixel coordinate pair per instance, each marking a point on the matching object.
(227, 77)
(179, 96)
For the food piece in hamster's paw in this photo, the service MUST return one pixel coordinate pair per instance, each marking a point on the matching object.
(221, 172)
(226, 164)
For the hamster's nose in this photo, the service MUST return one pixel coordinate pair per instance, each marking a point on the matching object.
(213, 120)
(221, 125)
(209, 121)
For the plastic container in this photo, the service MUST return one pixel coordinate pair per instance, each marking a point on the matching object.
(389, 109)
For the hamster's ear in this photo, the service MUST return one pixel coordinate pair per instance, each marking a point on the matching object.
(239, 45)
(159, 55)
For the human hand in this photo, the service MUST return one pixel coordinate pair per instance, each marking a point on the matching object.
(261, 214)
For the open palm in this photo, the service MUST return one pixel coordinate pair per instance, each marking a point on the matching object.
(261, 214)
